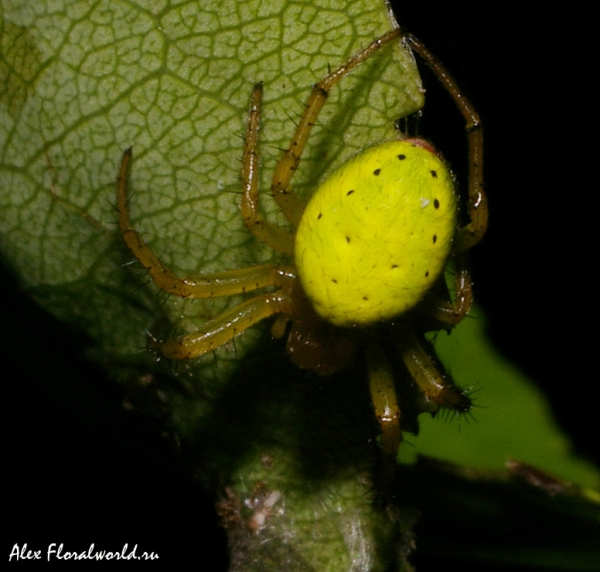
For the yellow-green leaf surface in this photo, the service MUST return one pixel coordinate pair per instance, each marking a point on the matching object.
(83, 81)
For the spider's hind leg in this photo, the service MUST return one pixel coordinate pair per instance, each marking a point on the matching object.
(436, 386)
(387, 410)
(223, 328)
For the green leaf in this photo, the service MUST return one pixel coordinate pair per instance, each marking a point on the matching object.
(506, 485)
(511, 418)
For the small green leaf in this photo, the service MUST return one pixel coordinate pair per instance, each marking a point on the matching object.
(511, 418)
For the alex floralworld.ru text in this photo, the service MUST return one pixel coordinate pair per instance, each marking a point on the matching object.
(58, 552)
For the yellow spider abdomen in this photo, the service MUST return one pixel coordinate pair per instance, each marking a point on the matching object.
(377, 233)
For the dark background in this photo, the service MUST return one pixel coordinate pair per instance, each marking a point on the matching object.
(81, 470)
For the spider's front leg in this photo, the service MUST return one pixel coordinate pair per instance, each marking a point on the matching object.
(450, 313)
(473, 232)
(288, 164)
(225, 327)
(268, 233)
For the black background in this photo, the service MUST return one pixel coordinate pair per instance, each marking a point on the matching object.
(80, 470)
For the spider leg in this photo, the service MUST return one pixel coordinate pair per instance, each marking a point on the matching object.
(225, 327)
(436, 385)
(477, 208)
(272, 235)
(289, 203)
(385, 403)
(207, 286)
(450, 313)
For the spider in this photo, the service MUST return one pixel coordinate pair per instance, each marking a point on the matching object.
(369, 256)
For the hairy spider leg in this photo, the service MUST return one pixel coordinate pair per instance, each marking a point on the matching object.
(435, 384)
(287, 200)
(385, 404)
(437, 388)
(272, 235)
(451, 313)
(226, 326)
(477, 207)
